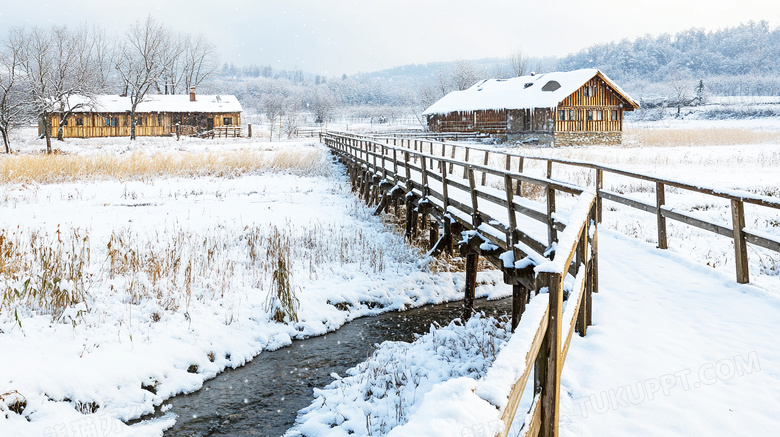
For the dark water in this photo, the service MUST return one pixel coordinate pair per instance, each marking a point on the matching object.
(263, 397)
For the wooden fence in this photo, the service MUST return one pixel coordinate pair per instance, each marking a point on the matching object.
(735, 230)
(442, 193)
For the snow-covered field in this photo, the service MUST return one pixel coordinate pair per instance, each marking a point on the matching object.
(176, 274)
(174, 279)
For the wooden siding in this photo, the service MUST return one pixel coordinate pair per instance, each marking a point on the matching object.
(148, 124)
(594, 107)
(490, 121)
(601, 98)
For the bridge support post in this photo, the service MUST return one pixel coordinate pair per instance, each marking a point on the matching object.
(519, 299)
(472, 263)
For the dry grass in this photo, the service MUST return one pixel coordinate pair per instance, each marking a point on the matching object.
(48, 273)
(140, 166)
(699, 137)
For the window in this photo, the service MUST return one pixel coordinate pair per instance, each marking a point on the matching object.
(586, 91)
(227, 121)
(65, 123)
(614, 115)
(140, 121)
(572, 114)
(159, 120)
(562, 115)
(79, 121)
(590, 115)
(599, 115)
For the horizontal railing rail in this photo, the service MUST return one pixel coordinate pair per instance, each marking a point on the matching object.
(736, 230)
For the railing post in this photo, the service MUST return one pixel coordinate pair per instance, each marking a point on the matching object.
(548, 363)
(452, 156)
(740, 240)
(465, 168)
(552, 233)
(519, 182)
(599, 186)
(475, 220)
(484, 173)
(660, 200)
(549, 169)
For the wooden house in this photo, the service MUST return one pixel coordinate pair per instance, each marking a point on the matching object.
(157, 115)
(562, 108)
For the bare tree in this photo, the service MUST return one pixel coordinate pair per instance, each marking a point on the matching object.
(57, 73)
(292, 115)
(322, 102)
(11, 97)
(200, 61)
(273, 107)
(464, 75)
(518, 62)
(680, 86)
(142, 61)
(443, 82)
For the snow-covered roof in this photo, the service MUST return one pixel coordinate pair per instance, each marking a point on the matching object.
(525, 92)
(159, 103)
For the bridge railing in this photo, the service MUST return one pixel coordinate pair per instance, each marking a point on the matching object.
(736, 230)
(500, 227)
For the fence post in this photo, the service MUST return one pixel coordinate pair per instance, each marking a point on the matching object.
(249, 130)
(549, 169)
(740, 241)
(660, 200)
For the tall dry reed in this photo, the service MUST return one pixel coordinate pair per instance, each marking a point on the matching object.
(140, 166)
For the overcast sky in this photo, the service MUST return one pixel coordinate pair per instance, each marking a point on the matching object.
(332, 37)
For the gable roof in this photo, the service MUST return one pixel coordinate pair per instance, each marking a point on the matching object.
(525, 92)
(158, 103)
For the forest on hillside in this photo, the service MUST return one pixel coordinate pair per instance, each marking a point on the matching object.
(661, 69)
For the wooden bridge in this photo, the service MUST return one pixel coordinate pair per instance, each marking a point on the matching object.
(477, 208)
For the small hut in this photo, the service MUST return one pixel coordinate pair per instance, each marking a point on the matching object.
(563, 108)
(156, 115)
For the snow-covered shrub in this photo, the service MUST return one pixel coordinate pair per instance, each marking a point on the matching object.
(380, 393)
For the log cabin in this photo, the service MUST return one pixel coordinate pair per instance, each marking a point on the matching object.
(580, 107)
(157, 115)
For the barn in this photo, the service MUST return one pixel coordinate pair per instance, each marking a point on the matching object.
(580, 107)
(157, 115)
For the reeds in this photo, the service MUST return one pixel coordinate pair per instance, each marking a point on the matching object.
(699, 137)
(140, 166)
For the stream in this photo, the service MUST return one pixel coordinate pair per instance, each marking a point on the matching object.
(263, 397)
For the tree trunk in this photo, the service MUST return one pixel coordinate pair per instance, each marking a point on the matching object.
(60, 131)
(6, 142)
(132, 125)
(47, 132)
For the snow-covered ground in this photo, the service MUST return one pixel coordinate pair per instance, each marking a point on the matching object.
(181, 294)
(176, 276)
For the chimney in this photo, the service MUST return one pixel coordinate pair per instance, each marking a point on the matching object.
(192, 94)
